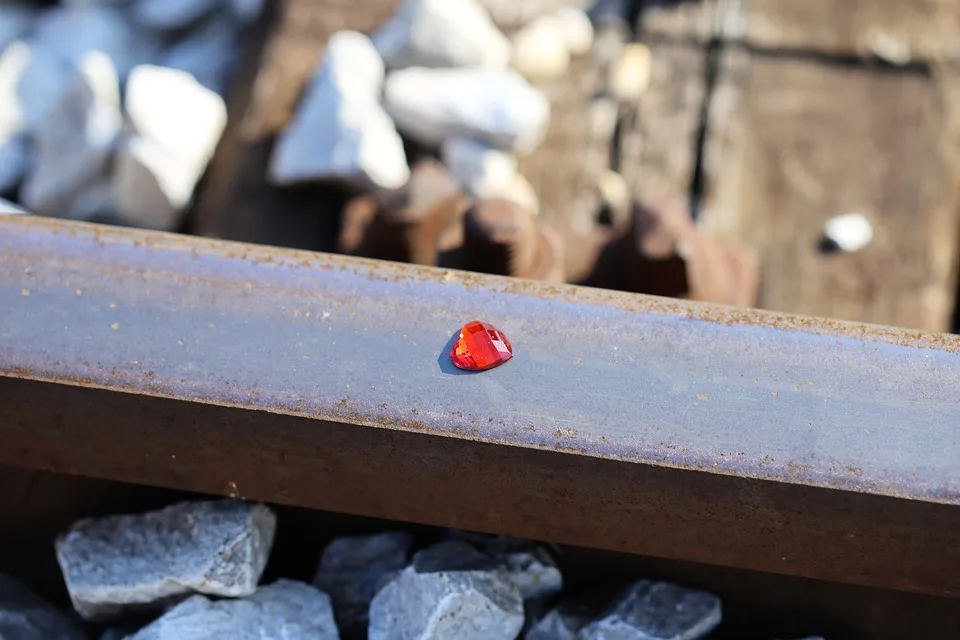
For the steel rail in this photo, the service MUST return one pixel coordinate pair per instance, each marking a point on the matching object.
(718, 435)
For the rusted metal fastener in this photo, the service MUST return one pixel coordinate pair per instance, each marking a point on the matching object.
(412, 224)
(662, 252)
(502, 237)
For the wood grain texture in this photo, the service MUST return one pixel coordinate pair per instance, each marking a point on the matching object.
(576, 149)
(792, 143)
(236, 202)
(895, 30)
(658, 140)
(680, 19)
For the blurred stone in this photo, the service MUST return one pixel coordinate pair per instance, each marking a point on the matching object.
(577, 29)
(467, 605)
(605, 12)
(657, 611)
(496, 107)
(26, 616)
(31, 78)
(514, 14)
(209, 52)
(284, 610)
(414, 223)
(340, 131)
(629, 76)
(849, 232)
(480, 168)
(615, 196)
(167, 15)
(72, 32)
(174, 124)
(15, 19)
(15, 152)
(15, 160)
(352, 569)
(442, 33)
(247, 10)
(117, 564)
(75, 144)
(541, 50)
(8, 208)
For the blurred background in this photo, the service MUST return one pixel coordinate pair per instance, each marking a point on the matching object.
(794, 156)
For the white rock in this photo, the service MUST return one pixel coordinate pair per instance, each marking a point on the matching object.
(125, 562)
(467, 605)
(340, 131)
(15, 160)
(614, 192)
(75, 144)
(172, 14)
(478, 167)
(171, 108)
(513, 14)
(850, 231)
(13, 62)
(526, 565)
(657, 611)
(533, 572)
(442, 33)
(565, 620)
(175, 125)
(577, 29)
(284, 610)
(150, 188)
(71, 33)
(208, 53)
(629, 76)
(540, 49)
(497, 107)
(30, 80)
(8, 208)
(352, 569)
(25, 616)
(15, 19)
(247, 10)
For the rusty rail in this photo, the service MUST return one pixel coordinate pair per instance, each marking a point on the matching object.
(679, 430)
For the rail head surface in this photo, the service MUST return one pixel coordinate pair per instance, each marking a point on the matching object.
(742, 409)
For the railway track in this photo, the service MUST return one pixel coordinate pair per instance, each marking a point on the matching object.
(625, 423)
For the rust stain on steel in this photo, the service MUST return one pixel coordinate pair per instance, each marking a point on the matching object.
(596, 373)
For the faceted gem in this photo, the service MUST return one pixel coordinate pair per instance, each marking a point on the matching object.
(480, 347)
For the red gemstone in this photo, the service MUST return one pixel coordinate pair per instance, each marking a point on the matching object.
(481, 346)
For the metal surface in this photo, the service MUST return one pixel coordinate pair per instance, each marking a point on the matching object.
(707, 433)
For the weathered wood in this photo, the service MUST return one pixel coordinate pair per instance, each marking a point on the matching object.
(792, 143)
(237, 202)
(658, 141)
(564, 168)
(895, 30)
(692, 20)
